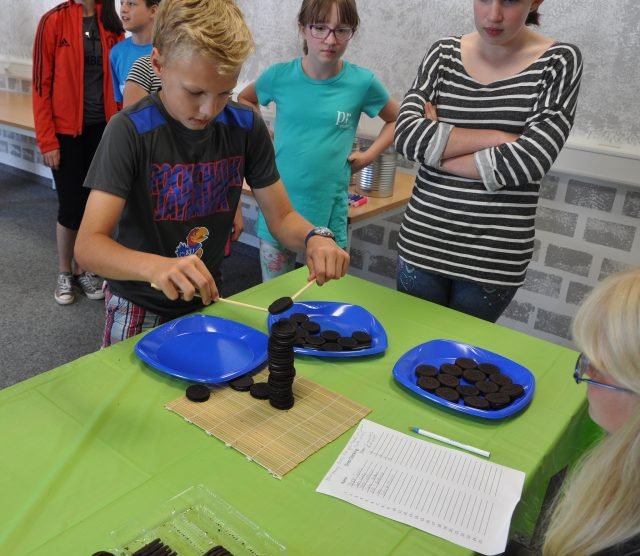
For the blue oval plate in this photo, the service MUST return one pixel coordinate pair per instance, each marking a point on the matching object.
(437, 352)
(341, 317)
(202, 348)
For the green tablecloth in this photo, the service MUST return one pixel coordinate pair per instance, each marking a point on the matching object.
(88, 446)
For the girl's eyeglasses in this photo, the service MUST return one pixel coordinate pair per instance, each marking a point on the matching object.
(582, 365)
(321, 32)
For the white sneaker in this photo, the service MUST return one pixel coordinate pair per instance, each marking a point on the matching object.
(90, 284)
(64, 294)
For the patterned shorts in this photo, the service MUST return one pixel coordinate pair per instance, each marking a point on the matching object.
(125, 319)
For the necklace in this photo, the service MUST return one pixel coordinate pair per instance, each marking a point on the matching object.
(89, 31)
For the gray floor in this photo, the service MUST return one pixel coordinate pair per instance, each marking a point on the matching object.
(37, 334)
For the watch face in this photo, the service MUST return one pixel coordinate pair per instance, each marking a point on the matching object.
(325, 232)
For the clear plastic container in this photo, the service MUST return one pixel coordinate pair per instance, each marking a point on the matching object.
(193, 522)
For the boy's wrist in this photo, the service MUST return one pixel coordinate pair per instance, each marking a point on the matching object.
(320, 231)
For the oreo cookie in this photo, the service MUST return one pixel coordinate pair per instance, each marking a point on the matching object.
(282, 404)
(361, 337)
(298, 318)
(314, 341)
(500, 379)
(428, 383)
(241, 384)
(514, 391)
(488, 368)
(280, 305)
(466, 363)
(311, 326)
(283, 328)
(487, 387)
(473, 375)
(448, 380)
(198, 393)
(330, 335)
(466, 390)
(498, 400)
(347, 342)
(260, 390)
(448, 394)
(426, 370)
(331, 346)
(451, 369)
(476, 402)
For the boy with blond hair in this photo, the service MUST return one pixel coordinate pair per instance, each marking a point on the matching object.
(168, 175)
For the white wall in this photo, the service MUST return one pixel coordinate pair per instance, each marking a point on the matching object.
(395, 34)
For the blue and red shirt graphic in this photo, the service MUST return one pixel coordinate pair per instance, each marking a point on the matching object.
(185, 191)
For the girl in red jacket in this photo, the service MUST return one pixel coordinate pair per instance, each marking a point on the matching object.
(72, 102)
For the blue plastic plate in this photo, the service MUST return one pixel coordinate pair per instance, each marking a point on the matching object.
(437, 352)
(341, 317)
(202, 348)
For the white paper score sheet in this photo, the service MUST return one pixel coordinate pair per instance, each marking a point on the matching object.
(459, 497)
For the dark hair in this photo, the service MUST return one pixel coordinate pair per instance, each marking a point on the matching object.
(109, 17)
(150, 3)
(533, 18)
(317, 11)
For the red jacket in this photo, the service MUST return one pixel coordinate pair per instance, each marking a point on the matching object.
(58, 78)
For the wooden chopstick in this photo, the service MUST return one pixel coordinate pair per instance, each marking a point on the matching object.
(224, 300)
(303, 288)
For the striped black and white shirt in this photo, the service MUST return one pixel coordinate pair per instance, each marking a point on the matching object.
(483, 230)
(142, 73)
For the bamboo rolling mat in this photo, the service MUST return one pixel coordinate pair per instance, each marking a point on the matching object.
(277, 440)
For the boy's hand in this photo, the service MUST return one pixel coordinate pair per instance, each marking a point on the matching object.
(326, 261)
(182, 277)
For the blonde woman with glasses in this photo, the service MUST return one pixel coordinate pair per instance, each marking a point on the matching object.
(598, 510)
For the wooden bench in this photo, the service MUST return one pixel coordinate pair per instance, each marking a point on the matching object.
(16, 111)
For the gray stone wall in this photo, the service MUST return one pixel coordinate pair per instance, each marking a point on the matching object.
(584, 232)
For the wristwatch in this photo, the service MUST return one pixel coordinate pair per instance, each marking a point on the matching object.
(319, 231)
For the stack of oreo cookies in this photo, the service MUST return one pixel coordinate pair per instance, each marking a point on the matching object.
(477, 385)
(281, 369)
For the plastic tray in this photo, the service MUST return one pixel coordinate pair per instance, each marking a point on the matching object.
(194, 521)
(437, 352)
(203, 348)
(341, 317)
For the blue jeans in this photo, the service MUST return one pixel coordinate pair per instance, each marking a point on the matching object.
(484, 302)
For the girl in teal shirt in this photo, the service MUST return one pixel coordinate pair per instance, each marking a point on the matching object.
(319, 99)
